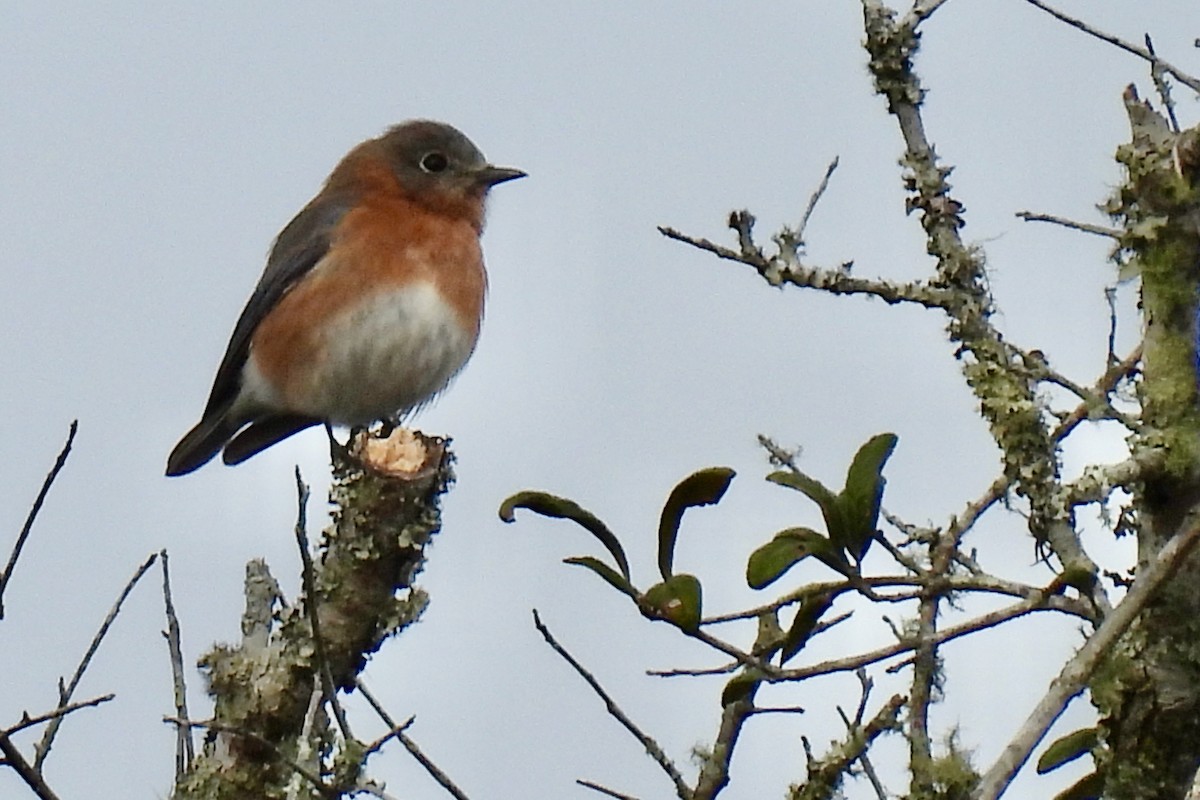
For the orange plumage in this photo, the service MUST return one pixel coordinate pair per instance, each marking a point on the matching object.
(370, 303)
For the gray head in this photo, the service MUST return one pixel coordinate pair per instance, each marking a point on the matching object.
(437, 162)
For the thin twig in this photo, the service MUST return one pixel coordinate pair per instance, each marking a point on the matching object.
(776, 710)
(1074, 674)
(32, 777)
(310, 607)
(989, 620)
(42, 749)
(827, 773)
(652, 747)
(1140, 52)
(185, 751)
(59, 462)
(1110, 297)
(1086, 227)
(29, 722)
(866, 685)
(394, 733)
(815, 198)
(436, 773)
(1105, 385)
(1160, 83)
(955, 583)
(604, 790)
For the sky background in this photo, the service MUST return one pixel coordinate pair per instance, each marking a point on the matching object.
(150, 152)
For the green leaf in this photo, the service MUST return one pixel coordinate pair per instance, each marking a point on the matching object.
(549, 505)
(1089, 787)
(860, 499)
(819, 494)
(701, 488)
(740, 687)
(1068, 748)
(807, 617)
(790, 546)
(616, 579)
(676, 600)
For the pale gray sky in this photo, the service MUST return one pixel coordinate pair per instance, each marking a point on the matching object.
(150, 152)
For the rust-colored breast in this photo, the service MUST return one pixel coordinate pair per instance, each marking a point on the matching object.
(383, 244)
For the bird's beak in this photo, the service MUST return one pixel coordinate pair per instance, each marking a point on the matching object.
(489, 175)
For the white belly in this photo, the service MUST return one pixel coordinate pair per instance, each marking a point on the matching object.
(388, 356)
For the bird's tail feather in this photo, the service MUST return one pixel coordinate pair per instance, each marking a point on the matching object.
(263, 433)
(200, 444)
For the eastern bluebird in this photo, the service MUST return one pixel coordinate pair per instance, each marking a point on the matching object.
(370, 302)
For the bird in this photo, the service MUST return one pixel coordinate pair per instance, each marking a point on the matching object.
(370, 302)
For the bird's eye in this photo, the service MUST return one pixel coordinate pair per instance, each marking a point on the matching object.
(434, 162)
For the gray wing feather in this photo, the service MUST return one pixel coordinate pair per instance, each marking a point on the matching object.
(300, 245)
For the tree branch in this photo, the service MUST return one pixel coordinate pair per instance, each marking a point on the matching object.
(1074, 674)
(59, 463)
(652, 747)
(1141, 52)
(185, 748)
(42, 749)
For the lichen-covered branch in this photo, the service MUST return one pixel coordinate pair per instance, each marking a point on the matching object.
(363, 576)
(825, 775)
(1007, 395)
(1148, 688)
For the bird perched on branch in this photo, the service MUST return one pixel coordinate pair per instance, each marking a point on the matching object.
(370, 302)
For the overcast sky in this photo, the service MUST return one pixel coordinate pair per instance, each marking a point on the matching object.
(150, 152)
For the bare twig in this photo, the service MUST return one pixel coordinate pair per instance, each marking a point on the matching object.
(652, 747)
(957, 583)
(1104, 386)
(866, 685)
(989, 620)
(32, 776)
(311, 601)
(826, 774)
(776, 710)
(185, 750)
(595, 787)
(29, 722)
(394, 733)
(1141, 52)
(1086, 227)
(42, 749)
(1110, 297)
(815, 198)
(1160, 83)
(1074, 674)
(834, 281)
(442, 778)
(59, 463)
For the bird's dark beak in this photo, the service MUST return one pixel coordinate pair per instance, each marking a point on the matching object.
(489, 175)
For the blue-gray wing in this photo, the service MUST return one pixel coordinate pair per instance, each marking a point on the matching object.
(300, 245)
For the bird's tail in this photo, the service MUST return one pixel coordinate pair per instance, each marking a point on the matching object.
(263, 433)
(200, 444)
